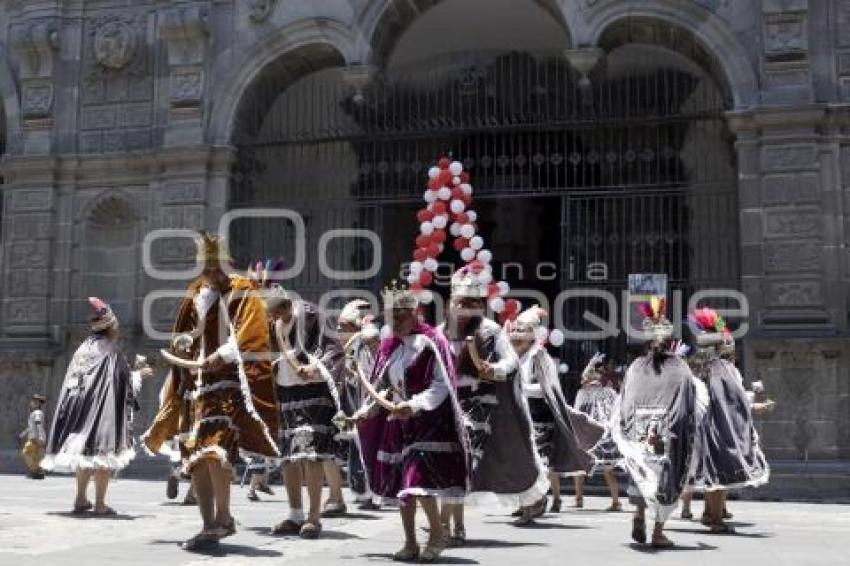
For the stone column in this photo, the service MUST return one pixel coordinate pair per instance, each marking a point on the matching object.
(794, 274)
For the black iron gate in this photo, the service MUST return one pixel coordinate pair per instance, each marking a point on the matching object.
(632, 169)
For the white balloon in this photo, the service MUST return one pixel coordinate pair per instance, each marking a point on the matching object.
(504, 288)
(472, 215)
(416, 267)
(426, 228)
(457, 206)
(556, 338)
(485, 277)
(466, 188)
(476, 243)
(456, 181)
(456, 168)
(467, 254)
(467, 231)
(433, 172)
(440, 221)
(563, 368)
(485, 256)
(425, 297)
(412, 278)
(541, 334)
(497, 304)
(430, 196)
(430, 264)
(454, 229)
(386, 332)
(444, 193)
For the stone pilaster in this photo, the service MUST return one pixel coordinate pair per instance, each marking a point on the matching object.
(786, 72)
(186, 34)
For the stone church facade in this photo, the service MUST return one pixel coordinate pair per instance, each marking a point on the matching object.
(121, 117)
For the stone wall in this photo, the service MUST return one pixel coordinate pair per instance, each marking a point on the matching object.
(125, 108)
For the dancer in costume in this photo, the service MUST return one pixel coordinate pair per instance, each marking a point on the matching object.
(34, 438)
(411, 433)
(653, 426)
(309, 355)
(596, 398)
(360, 337)
(219, 396)
(731, 457)
(504, 453)
(554, 420)
(90, 435)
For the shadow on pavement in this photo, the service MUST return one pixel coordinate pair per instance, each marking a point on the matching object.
(225, 549)
(491, 543)
(326, 534)
(359, 516)
(97, 517)
(736, 534)
(647, 549)
(443, 559)
(540, 526)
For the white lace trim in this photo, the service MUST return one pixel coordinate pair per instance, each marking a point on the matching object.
(398, 457)
(67, 463)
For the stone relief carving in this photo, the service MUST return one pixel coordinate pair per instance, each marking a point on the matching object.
(798, 224)
(114, 44)
(785, 257)
(186, 32)
(260, 10)
(794, 293)
(35, 44)
(186, 87)
(37, 100)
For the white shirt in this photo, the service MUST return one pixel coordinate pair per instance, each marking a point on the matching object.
(530, 382)
(402, 358)
(286, 376)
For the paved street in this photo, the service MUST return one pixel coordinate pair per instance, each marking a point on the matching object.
(36, 528)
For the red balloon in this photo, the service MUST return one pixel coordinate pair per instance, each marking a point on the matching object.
(434, 184)
(424, 215)
(439, 208)
(422, 241)
(462, 218)
(425, 278)
(492, 290)
(467, 199)
(460, 244)
(416, 286)
(444, 163)
(457, 193)
(420, 254)
(512, 306)
(433, 250)
(438, 237)
(445, 177)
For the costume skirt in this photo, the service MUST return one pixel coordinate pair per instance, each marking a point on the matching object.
(307, 431)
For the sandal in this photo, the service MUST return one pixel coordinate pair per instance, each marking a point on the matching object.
(227, 530)
(556, 506)
(334, 509)
(727, 515)
(80, 509)
(407, 554)
(661, 541)
(265, 489)
(614, 507)
(722, 529)
(579, 504)
(310, 530)
(200, 542)
(458, 538)
(105, 511)
(287, 527)
(432, 551)
(687, 515)
(639, 530)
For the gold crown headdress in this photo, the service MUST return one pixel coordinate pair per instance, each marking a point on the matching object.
(399, 297)
(211, 248)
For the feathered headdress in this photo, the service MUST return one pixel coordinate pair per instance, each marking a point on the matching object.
(655, 320)
(262, 273)
(356, 312)
(102, 316)
(709, 327)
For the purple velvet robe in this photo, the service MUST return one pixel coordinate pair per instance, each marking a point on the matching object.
(428, 454)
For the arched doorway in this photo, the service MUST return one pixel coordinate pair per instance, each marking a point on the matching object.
(632, 170)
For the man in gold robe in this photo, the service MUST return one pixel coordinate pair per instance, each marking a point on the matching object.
(222, 399)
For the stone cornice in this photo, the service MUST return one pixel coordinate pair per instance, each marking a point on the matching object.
(787, 117)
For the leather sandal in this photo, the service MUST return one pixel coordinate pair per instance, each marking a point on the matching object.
(639, 530)
(310, 530)
(407, 554)
(287, 527)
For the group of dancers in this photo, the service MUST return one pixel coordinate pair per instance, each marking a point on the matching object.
(429, 416)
